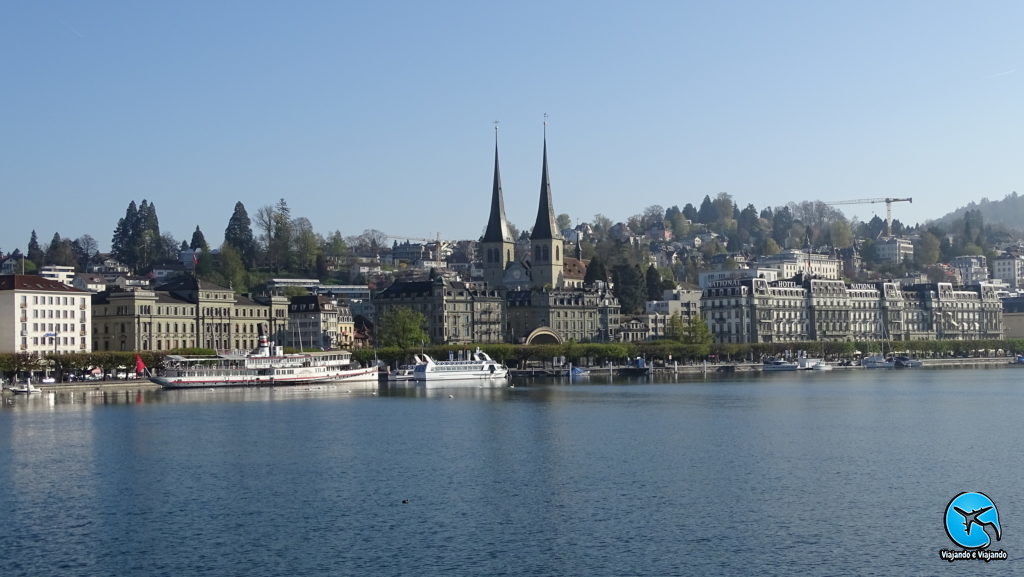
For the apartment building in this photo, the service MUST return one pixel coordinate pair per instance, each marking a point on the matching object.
(42, 316)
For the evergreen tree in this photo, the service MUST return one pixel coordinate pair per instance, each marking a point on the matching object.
(653, 281)
(239, 235)
(707, 213)
(123, 245)
(690, 212)
(51, 251)
(35, 253)
(199, 241)
(595, 272)
(630, 288)
(782, 224)
(147, 237)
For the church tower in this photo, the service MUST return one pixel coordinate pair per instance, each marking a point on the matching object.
(546, 241)
(497, 247)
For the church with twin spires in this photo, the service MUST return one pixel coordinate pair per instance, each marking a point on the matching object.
(537, 298)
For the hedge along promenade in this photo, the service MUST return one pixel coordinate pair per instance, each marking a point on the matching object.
(599, 354)
(582, 354)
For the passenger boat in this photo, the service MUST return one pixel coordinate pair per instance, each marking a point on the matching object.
(479, 366)
(265, 366)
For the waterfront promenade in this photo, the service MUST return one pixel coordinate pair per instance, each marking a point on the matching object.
(686, 370)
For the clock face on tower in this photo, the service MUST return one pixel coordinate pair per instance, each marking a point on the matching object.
(517, 274)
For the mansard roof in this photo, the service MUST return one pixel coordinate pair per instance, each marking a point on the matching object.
(31, 282)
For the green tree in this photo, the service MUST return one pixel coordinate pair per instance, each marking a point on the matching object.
(61, 252)
(147, 239)
(676, 330)
(782, 224)
(927, 250)
(238, 235)
(199, 241)
(630, 288)
(122, 245)
(840, 234)
(595, 272)
(697, 332)
(35, 252)
(707, 213)
(402, 327)
(690, 212)
(652, 279)
(307, 244)
(563, 221)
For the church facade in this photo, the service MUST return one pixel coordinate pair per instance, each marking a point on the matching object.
(538, 299)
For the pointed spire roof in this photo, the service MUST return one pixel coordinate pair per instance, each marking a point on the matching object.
(545, 227)
(497, 226)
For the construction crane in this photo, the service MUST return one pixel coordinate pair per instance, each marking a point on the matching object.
(888, 207)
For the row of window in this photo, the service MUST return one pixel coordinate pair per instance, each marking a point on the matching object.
(54, 301)
(52, 327)
(54, 314)
(49, 341)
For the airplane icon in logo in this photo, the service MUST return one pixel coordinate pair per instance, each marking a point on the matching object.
(972, 519)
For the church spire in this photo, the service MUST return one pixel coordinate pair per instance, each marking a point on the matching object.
(545, 227)
(497, 227)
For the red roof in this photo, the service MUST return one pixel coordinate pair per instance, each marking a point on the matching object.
(31, 282)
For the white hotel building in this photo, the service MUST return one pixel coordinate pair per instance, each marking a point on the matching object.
(43, 316)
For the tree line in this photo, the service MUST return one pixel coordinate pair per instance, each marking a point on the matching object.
(275, 243)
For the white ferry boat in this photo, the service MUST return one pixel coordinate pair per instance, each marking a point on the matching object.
(266, 366)
(479, 367)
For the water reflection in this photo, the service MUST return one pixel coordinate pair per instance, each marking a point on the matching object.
(51, 400)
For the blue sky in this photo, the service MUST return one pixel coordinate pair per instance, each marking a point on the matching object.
(379, 114)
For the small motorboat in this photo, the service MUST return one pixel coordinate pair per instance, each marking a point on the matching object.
(26, 388)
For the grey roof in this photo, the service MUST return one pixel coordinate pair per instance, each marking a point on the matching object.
(545, 228)
(497, 226)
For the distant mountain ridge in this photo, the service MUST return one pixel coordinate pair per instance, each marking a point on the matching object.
(1008, 212)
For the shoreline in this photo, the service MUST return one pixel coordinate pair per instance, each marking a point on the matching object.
(725, 368)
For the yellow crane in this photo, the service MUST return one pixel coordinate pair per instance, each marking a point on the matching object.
(888, 207)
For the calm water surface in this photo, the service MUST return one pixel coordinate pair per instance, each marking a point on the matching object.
(841, 473)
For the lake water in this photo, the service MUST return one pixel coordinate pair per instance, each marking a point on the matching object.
(840, 473)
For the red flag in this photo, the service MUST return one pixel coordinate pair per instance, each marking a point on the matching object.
(140, 367)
